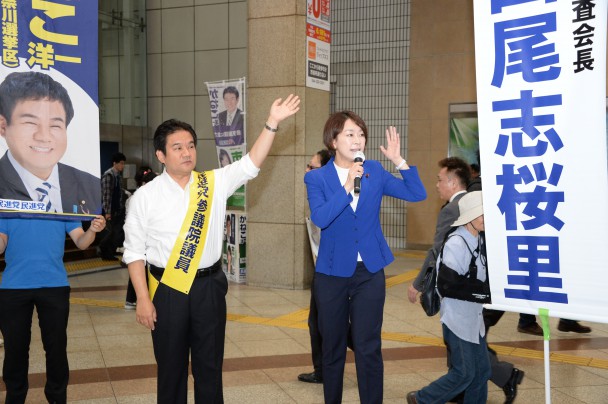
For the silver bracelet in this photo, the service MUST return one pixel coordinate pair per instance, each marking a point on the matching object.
(270, 128)
(400, 165)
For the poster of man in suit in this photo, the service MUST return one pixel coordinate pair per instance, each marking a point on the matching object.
(35, 112)
(227, 100)
(228, 114)
(49, 114)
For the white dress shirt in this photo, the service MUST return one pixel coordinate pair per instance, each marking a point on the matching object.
(32, 182)
(343, 176)
(230, 118)
(157, 211)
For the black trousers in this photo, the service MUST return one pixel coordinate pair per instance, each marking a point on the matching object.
(316, 341)
(355, 304)
(195, 325)
(114, 235)
(501, 370)
(131, 295)
(16, 310)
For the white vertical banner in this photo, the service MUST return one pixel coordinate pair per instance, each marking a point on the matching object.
(541, 91)
(318, 43)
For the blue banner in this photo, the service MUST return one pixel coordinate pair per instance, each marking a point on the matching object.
(49, 114)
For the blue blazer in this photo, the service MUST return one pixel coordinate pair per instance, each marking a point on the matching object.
(344, 232)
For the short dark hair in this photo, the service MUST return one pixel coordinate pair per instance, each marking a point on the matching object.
(231, 90)
(458, 167)
(148, 176)
(167, 128)
(139, 175)
(25, 86)
(118, 157)
(324, 156)
(335, 125)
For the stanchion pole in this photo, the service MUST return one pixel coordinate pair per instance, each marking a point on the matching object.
(544, 320)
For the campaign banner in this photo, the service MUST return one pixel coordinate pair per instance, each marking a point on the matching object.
(541, 92)
(318, 44)
(49, 115)
(228, 114)
(234, 256)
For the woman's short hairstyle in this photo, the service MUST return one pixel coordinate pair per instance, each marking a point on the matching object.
(224, 154)
(335, 125)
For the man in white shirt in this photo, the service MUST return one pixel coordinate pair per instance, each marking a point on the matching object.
(192, 320)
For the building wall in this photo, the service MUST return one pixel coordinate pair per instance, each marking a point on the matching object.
(190, 42)
(278, 252)
(442, 71)
(193, 41)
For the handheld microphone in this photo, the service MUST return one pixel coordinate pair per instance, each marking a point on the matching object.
(359, 158)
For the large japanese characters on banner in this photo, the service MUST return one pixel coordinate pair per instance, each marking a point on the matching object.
(318, 43)
(541, 80)
(227, 105)
(49, 121)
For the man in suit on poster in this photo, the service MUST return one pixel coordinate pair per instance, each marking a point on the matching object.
(231, 120)
(35, 111)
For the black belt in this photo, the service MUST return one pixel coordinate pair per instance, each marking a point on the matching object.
(157, 272)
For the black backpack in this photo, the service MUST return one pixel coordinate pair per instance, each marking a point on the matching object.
(448, 283)
(463, 287)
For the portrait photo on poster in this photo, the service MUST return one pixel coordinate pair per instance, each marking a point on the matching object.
(228, 114)
(49, 144)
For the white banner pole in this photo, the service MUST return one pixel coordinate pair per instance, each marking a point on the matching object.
(547, 373)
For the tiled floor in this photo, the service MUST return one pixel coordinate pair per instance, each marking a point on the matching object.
(267, 346)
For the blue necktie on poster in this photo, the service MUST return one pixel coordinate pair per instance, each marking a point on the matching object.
(43, 195)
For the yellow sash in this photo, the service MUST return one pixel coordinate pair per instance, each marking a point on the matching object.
(188, 249)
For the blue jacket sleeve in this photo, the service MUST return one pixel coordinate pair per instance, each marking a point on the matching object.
(413, 191)
(324, 208)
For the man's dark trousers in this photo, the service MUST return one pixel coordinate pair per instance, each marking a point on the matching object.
(16, 310)
(315, 335)
(114, 235)
(194, 324)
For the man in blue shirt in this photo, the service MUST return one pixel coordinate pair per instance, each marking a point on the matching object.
(34, 114)
(35, 277)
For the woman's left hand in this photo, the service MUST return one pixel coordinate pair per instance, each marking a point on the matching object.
(392, 151)
(283, 109)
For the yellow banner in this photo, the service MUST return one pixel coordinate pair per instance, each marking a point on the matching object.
(184, 260)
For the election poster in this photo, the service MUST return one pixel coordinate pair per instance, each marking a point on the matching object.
(49, 119)
(541, 92)
(234, 251)
(227, 105)
(318, 44)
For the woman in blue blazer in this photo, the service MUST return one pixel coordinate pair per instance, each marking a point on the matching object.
(349, 276)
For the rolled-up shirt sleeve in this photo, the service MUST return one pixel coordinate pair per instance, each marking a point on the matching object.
(135, 234)
(238, 173)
